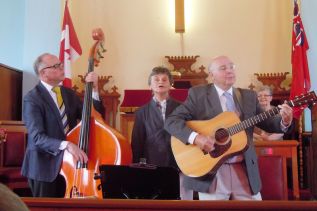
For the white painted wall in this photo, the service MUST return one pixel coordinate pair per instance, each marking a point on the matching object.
(11, 32)
(139, 33)
(42, 32)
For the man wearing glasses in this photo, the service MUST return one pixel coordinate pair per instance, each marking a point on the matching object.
(237, 178)
(49, 112)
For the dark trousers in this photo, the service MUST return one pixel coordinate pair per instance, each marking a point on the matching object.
(55, 189)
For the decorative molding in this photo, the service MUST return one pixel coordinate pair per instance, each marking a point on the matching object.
(273, 80)
(183, 74)
(182, 62)
(110, 99)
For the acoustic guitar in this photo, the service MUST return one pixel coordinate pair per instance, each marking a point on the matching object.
(230, 138)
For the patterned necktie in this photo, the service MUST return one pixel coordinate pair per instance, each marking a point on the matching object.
(160, 107)
(229, 102)
(61, 106)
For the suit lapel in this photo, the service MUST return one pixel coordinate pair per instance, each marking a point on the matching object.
(213, 99)
(156, 109)
(169, 107)
(50, 102)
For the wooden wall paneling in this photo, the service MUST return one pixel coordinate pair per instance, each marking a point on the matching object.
(126, 123)
(11, 93)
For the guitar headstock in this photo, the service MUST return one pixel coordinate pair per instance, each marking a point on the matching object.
(304, 99)
(96, 51)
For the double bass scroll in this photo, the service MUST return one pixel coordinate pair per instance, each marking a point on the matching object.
(102, 143)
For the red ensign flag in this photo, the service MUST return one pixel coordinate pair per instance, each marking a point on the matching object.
(300, 71)
(70, 48)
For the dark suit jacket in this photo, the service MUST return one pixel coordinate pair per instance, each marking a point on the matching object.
(149, 139)
(203, 103)
(42, 160)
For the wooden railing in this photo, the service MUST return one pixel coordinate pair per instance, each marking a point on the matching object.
(150, 205)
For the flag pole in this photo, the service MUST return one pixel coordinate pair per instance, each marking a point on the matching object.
(300, 149)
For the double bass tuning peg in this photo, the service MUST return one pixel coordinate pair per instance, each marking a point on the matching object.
(100, 55)
(103, 48)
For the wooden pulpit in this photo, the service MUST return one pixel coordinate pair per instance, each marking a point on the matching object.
(286, 149)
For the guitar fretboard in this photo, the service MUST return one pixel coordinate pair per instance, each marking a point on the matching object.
(253, 121)
(304, 99)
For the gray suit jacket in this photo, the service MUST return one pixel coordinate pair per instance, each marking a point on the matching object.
(203, 103)
(149, 139)
(42, 160)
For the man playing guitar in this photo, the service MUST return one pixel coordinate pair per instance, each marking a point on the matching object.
(236, 174)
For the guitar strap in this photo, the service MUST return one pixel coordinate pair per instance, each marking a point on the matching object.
(239, 99)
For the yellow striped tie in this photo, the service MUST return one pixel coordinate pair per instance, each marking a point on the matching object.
(61, 106)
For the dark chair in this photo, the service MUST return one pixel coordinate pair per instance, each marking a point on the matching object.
(274, 178)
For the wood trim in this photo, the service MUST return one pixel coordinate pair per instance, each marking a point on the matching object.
(11, 93)
(110, 99)
(288, 150)
(179, 16)
(130, 204)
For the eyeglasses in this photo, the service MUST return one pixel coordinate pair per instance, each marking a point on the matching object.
(259, 96)
(55, 66)
(227, 67)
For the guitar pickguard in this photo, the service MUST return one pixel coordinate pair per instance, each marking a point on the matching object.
(220, 149)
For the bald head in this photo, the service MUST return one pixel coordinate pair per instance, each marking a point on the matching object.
(216, 60)
(222, 72)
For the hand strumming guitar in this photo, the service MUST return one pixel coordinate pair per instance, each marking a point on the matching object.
(205, 143)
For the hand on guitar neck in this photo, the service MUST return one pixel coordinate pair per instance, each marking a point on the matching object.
(205, 143)
(286, 113)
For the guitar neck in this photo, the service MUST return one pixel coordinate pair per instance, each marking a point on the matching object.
(253, 121)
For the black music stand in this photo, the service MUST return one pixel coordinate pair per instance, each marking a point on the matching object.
(139, 182)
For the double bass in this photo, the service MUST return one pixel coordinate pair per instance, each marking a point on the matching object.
(102, 143)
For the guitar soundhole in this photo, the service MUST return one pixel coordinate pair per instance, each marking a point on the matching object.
(222, 144)
(221, 135)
